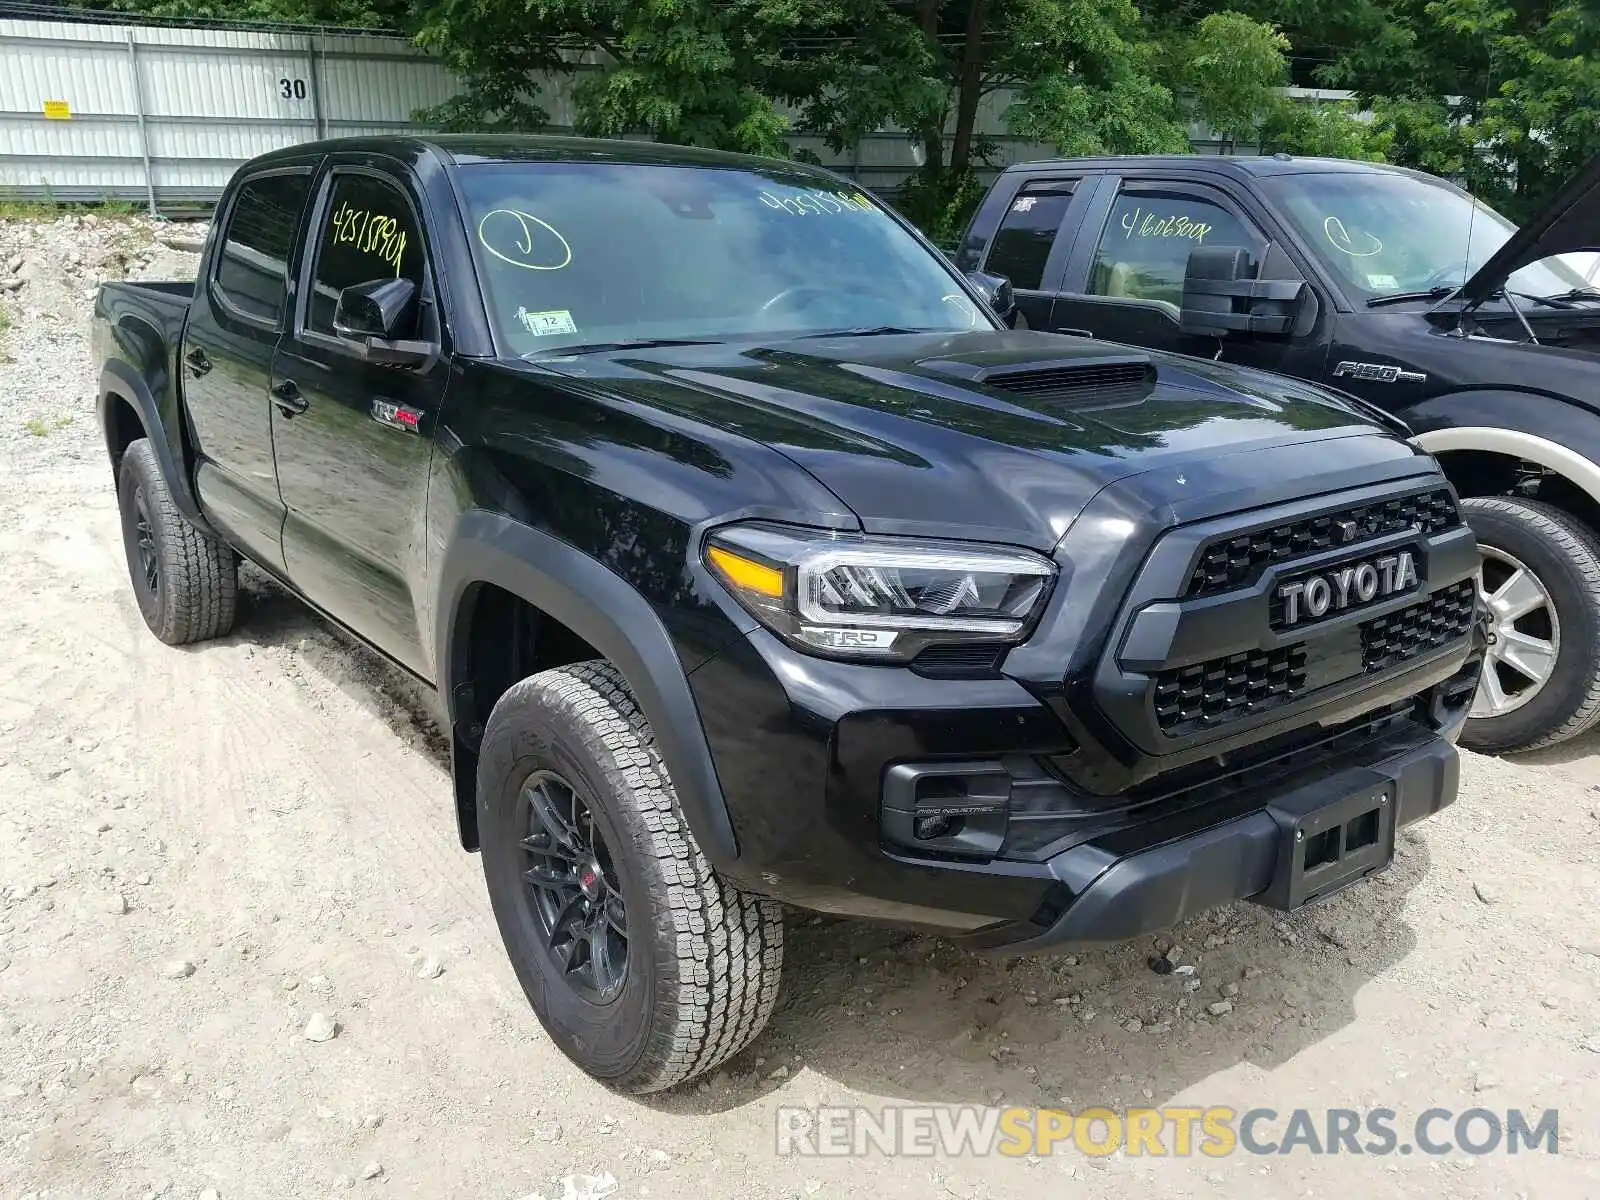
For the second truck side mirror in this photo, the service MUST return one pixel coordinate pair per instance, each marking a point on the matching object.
(996, 291)
(1221, 295)
(371, 314)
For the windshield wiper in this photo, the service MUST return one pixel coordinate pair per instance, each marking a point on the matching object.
(1440, 292)
(1577, 293)
(866, 331)
(1433, 293)
(626, 344)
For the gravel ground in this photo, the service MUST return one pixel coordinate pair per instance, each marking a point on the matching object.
(241, 955)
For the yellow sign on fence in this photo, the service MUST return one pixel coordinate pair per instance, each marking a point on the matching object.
(57, 110)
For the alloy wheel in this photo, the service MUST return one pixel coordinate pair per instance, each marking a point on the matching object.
(1524, 639)
(149, 561)
(574, 888)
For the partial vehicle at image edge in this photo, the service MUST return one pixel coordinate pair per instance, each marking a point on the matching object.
(1394, 287)
(752, 560)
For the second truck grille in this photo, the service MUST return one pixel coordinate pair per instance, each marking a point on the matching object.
(1237, 562)
(1207, 693)
(1441, 618)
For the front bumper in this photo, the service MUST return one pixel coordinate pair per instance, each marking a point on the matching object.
(1152, 876)
(824, 766)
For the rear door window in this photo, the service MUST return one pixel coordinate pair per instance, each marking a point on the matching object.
(252, 271)
(1027, 234)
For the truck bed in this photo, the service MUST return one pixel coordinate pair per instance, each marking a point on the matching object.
(142, 318)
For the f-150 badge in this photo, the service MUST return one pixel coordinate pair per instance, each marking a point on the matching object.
(396, 416)
(1379, 373)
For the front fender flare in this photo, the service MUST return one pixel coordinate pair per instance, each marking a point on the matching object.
(608, 613)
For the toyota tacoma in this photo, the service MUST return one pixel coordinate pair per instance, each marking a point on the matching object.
(753, 560)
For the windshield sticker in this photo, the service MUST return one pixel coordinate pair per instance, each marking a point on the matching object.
(1383, 283)
(1362, 245)
(370, 233)
(543, 324)
(1139, 223)
(1025, 204)
(816, 202)
(523, 240)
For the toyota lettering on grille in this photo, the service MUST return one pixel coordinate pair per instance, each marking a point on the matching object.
(1353, 585)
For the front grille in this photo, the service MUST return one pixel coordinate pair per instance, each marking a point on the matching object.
(1437, 621)
(1236, 562)
(1222, 689)
(1293, 751)
(1102, 383)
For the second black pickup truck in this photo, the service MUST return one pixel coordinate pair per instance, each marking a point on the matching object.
(751, 558)
(1389, 285)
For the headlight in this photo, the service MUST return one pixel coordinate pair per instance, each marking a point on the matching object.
(881, 598)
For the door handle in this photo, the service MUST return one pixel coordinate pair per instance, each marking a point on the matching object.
(199, 364)
(287, 397)
(1088, 333)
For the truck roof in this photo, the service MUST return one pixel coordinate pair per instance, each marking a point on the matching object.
(1255, 165)
(464, 148)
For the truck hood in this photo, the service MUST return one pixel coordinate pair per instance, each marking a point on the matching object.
(1570, 223)
(990, 434)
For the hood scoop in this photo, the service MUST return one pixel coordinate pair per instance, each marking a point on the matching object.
(1101, 381)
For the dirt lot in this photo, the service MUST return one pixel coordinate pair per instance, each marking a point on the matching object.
(202, 851)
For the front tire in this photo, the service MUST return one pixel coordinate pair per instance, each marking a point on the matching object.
(644, 967)
(186, 582)
(1541, 578)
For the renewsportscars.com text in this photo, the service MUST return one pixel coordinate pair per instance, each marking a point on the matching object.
(1176, 1131)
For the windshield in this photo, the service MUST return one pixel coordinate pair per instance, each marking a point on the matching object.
(1383, 233)
(574, 254)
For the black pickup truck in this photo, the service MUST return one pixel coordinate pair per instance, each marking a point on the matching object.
(1389, 285)
(753, 559)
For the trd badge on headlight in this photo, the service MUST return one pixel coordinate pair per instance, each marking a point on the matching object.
(1349, 586)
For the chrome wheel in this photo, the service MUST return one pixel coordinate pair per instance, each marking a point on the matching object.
(1524, 635)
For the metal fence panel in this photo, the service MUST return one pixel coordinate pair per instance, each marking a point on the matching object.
(165, 114)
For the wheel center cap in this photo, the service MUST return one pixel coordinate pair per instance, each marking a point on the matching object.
(590, 881)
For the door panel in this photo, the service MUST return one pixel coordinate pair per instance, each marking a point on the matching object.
(226, 359)
(1126, 283)
(353, 439)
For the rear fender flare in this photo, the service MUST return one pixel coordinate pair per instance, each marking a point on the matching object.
(119, 381)
(1568, 463)
(608, 613)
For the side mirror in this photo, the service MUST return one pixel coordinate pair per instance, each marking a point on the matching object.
(997, 294)
(371, 314)
(1221, 295)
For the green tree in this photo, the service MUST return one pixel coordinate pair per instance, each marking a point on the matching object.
(1325, 129)
(1502, 94)
(1076, 74)
(679, 70)
(1235, 68)
(349, 13)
